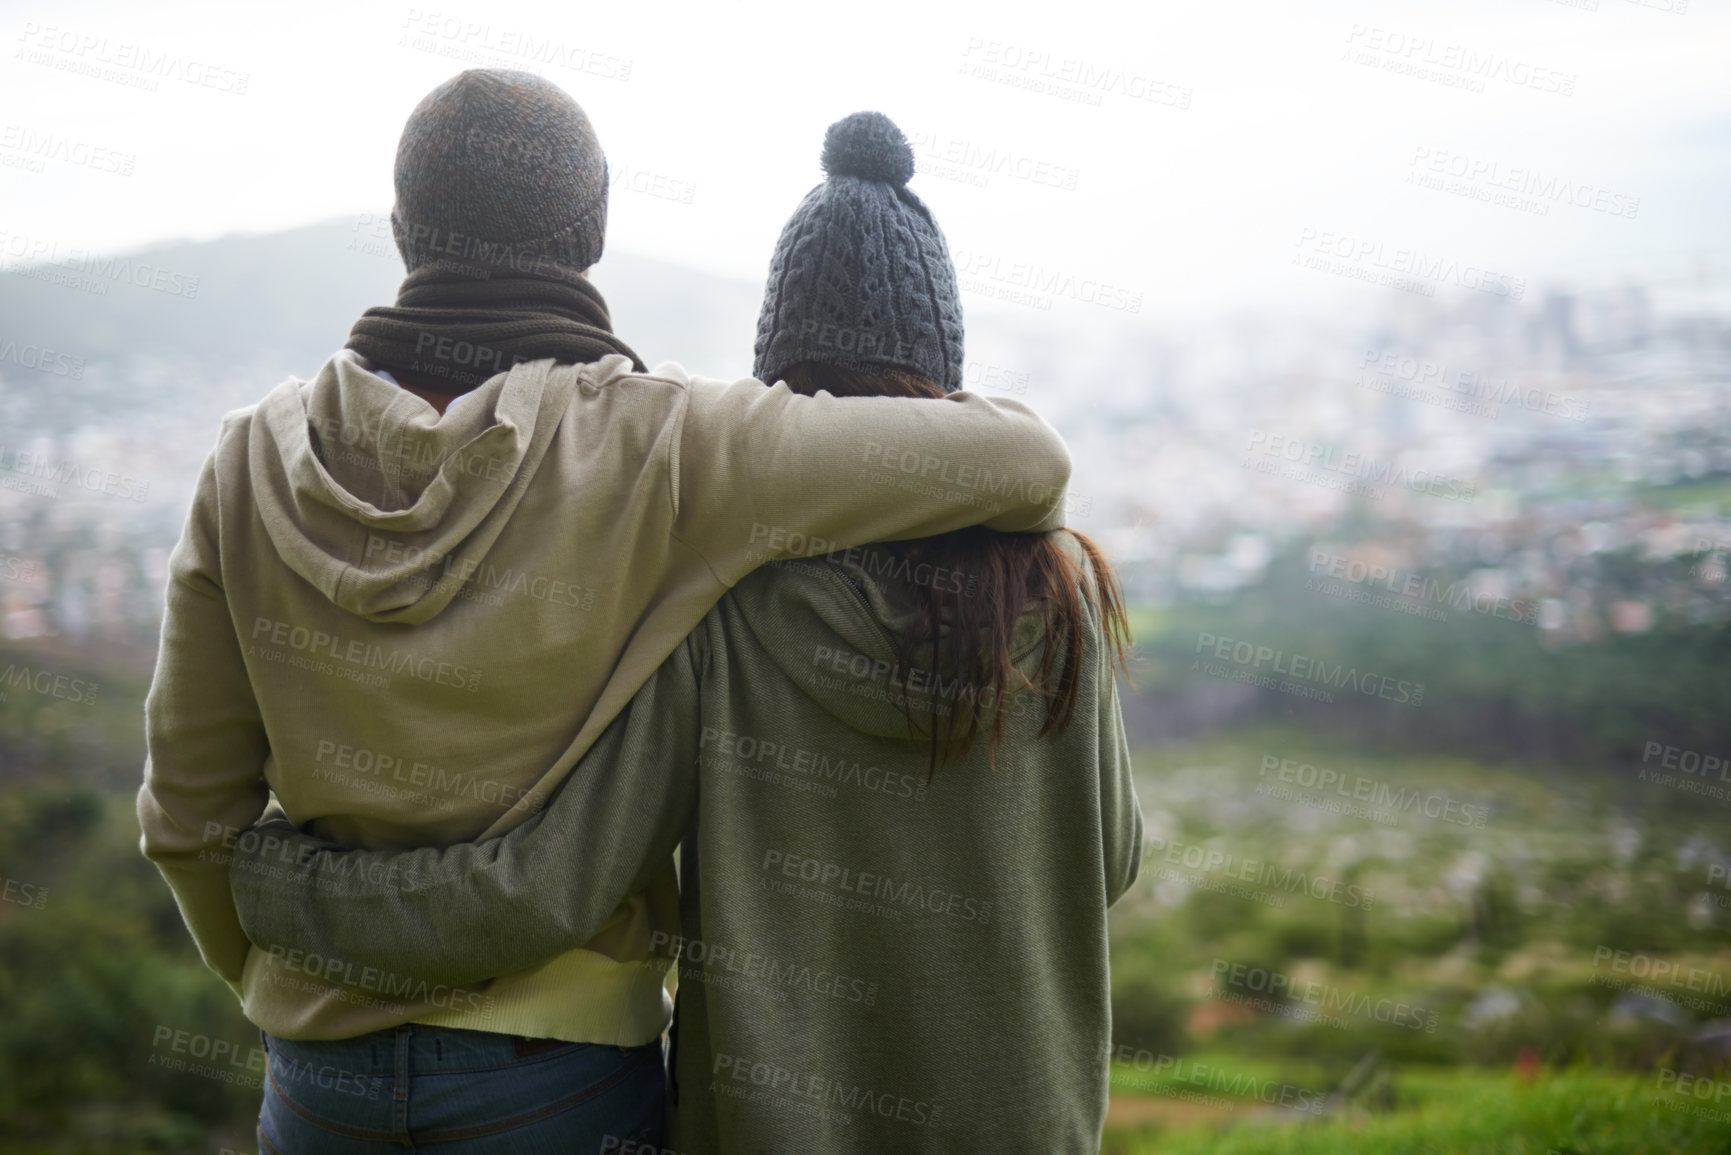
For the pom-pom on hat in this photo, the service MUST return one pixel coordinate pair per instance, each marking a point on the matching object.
(869, 146)
(861, 275)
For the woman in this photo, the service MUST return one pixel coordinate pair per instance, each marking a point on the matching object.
(407, 616)
(907, 770)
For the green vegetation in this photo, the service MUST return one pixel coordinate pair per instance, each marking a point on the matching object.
(1404, 924)
(96, 971)
(1483, 951)
(1493, 687)
(97, 976)
(1573, 1113)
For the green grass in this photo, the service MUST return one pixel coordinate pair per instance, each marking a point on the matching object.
(1519, 907)
(1711, 493)
(1226, 1075)
(1469, 1113)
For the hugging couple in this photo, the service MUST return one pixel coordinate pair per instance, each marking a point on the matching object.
(526, 651)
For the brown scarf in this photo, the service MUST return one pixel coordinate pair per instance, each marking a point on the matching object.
(456, 330)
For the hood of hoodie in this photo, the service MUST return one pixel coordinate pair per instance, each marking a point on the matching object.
(373, 496)
(846, 610)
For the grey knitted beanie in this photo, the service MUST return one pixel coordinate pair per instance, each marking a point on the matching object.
(499, 169)
(861, 275)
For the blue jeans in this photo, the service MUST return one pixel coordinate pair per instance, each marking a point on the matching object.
(451, 1092)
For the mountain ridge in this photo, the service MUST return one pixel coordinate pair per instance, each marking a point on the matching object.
(279, 303)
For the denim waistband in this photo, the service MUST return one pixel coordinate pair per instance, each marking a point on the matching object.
(426, 1050)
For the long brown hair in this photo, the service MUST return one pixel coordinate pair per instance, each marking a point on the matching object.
(965, 629)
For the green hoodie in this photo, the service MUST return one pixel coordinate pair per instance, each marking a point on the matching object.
(870, 962)
(408, 627)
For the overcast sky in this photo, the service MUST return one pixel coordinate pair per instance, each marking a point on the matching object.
(1198, 141)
